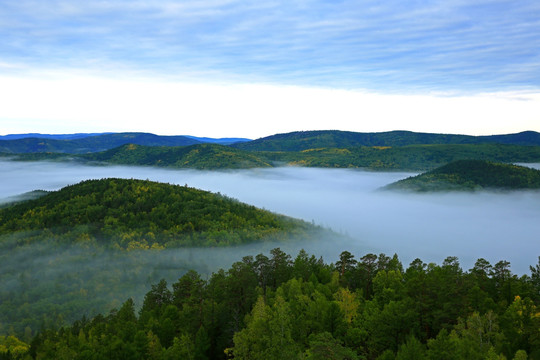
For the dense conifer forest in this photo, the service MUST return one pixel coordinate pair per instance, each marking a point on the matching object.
(280, 307)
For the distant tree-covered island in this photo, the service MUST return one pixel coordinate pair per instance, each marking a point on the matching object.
(472, 175)
(132, 214)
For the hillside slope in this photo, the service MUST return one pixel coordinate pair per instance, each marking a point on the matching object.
(137, 214)
(472, 175)
(200, 156)
(413, 157)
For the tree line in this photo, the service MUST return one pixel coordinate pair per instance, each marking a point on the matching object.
(280, 307)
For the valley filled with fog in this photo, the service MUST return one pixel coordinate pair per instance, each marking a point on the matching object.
(494, 226)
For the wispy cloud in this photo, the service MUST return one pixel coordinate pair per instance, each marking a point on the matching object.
(430, 45)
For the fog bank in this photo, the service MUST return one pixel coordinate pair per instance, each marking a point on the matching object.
(494, 226)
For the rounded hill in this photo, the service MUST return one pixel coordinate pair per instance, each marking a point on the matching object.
(471, 175)
(137, 214)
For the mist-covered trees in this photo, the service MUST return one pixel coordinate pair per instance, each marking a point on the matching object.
(275, 307)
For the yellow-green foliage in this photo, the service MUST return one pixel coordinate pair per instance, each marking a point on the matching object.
(136, 214)
(14, 346)
(201, 156)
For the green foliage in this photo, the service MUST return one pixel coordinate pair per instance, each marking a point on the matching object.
(229, 315)
(410, 157)
(84, 249)
(304, 140)
(294, 141)
(13, 348)
(469, 175)
(328, 154)
(136, 214)
(200, 156)
(323, 346)
(411, 349)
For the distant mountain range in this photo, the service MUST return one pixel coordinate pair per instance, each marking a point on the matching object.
(394, 150)
(50, 136)
(305, 140)
(294, 141)
(89, 143)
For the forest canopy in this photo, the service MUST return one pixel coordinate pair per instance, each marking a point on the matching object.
(469, 175)
(279, 307)
(137, 214)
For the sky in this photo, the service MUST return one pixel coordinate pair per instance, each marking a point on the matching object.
(229, 68)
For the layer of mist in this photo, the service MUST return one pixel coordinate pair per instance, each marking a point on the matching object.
(49, 285)
(532, 166)
(494, 226)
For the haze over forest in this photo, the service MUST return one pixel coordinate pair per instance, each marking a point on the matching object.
(494, 226)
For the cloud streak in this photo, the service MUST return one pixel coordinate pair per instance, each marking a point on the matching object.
(434, 45)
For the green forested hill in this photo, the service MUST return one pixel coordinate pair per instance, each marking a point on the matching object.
(201, 156)
(85, 248)
(304, 140)
(472, 175)
(133, 214)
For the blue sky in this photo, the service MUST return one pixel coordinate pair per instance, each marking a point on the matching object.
(443, 66)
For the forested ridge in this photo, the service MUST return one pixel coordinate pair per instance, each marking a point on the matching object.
(293, 141)
(411, 157)
(469, 175)
(383, 158)
(203, 156)
(305, 140)
(279, 307)
(138, 214)
(393, 150)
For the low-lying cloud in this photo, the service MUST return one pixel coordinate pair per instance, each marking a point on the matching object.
(494, 226)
